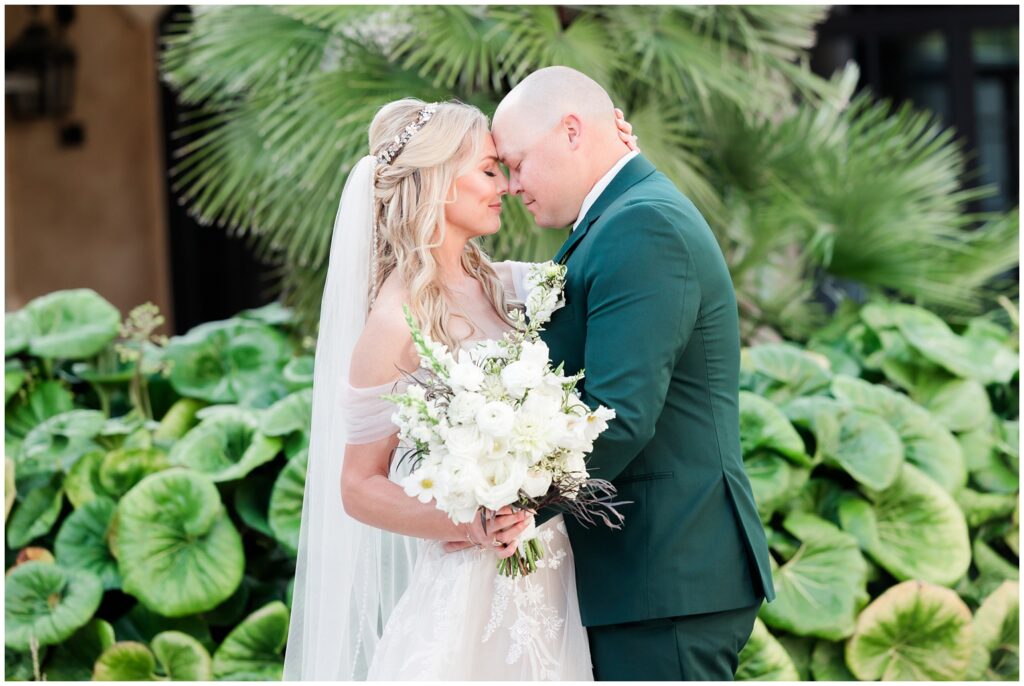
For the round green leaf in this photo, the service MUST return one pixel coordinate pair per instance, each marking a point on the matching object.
(45, 400)
(926, 443)
(996, 654)
(764, 426)
(869, 450)
(818, 590)
(182, 657)
(979, 508)
(48, 602)
(18, 666)
(828, 663)
(299, 371)
(291, 413)
(253, 651)
(122, 469)
(921, 531)
(915, 631)
(227, 361)
(36, 514)
(14, 378)
(225, 447)
(285, 512)
(58, 442)
(990, 466)
(125, 661)
(780, 371)
(981, 359)
(176, 547)
(17, 332)
(773, 480)
(142, 624)
(72, 324)
(73, 659)
(764, 659)
(82, 542)
(82, 483)
(822, 417)
(959, 404)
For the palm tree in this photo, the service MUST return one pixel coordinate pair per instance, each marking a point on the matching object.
(810, 190)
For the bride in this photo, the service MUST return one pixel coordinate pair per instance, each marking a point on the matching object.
(376, 596)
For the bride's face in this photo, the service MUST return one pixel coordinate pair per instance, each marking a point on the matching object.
(478, 192)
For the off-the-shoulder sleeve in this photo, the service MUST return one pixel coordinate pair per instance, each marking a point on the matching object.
(519, 270)
(367, 416)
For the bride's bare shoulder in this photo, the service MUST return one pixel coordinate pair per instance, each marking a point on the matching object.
(385, 345)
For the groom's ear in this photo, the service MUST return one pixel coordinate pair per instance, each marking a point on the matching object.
(573, 128)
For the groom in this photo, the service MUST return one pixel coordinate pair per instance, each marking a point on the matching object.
(651, 316)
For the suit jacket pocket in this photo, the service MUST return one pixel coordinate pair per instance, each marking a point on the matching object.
(643, 477)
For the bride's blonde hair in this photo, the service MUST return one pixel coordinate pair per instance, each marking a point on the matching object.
(410, 194)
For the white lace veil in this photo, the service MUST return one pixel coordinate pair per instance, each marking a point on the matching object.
(348, 575)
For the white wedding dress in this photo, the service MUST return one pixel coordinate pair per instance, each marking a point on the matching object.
(458, 619)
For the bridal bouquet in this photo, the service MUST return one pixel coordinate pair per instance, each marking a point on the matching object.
(497, 426)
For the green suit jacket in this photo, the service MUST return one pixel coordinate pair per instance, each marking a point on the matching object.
(651, 317)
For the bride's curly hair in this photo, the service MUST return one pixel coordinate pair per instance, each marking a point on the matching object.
(410, 195)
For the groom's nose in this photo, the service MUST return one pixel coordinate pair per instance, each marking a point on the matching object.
(514, 187)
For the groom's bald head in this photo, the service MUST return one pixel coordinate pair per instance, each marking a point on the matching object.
(541, 100)
(556, 132)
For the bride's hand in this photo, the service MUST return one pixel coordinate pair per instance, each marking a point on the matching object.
(625, 130)
(503, 528)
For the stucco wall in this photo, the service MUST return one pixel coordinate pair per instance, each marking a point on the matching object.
(92, 216)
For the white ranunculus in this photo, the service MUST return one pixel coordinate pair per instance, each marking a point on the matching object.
(495, 419)
(537, 482)
(465, 442)
(520, 377)
(463, 407)
(501, 482)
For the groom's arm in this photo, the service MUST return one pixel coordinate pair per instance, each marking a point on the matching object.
(643, 297)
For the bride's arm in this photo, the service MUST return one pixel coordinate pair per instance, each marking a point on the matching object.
(366, 492)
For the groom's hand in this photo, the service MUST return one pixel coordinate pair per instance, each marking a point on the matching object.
(625, 130)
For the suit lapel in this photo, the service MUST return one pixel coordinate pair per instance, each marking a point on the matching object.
(636, 170)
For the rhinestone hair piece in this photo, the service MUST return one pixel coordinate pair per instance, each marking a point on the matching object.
(389, 153)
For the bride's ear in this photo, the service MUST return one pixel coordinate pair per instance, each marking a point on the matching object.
(573, 129)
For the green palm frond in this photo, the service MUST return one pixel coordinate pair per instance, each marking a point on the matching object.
(453, 44)
(227, 52)
(803, 186)
(534, 37)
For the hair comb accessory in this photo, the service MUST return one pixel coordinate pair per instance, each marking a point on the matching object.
(389, 153)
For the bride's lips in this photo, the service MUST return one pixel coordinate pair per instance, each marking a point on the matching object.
(495, 206)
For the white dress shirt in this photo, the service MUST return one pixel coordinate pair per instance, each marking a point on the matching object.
(602, 183)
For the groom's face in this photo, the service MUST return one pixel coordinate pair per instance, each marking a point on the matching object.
(539, 172)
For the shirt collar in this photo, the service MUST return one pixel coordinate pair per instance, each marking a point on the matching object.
(602, 184)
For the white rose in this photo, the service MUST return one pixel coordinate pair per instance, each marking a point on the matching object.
(535, 353)
(495, 419)
(465, 442)
(463, 407)
(501, 482)
(520, 377)
(537, 482)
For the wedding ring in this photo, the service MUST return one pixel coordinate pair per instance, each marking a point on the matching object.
(496, 543)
